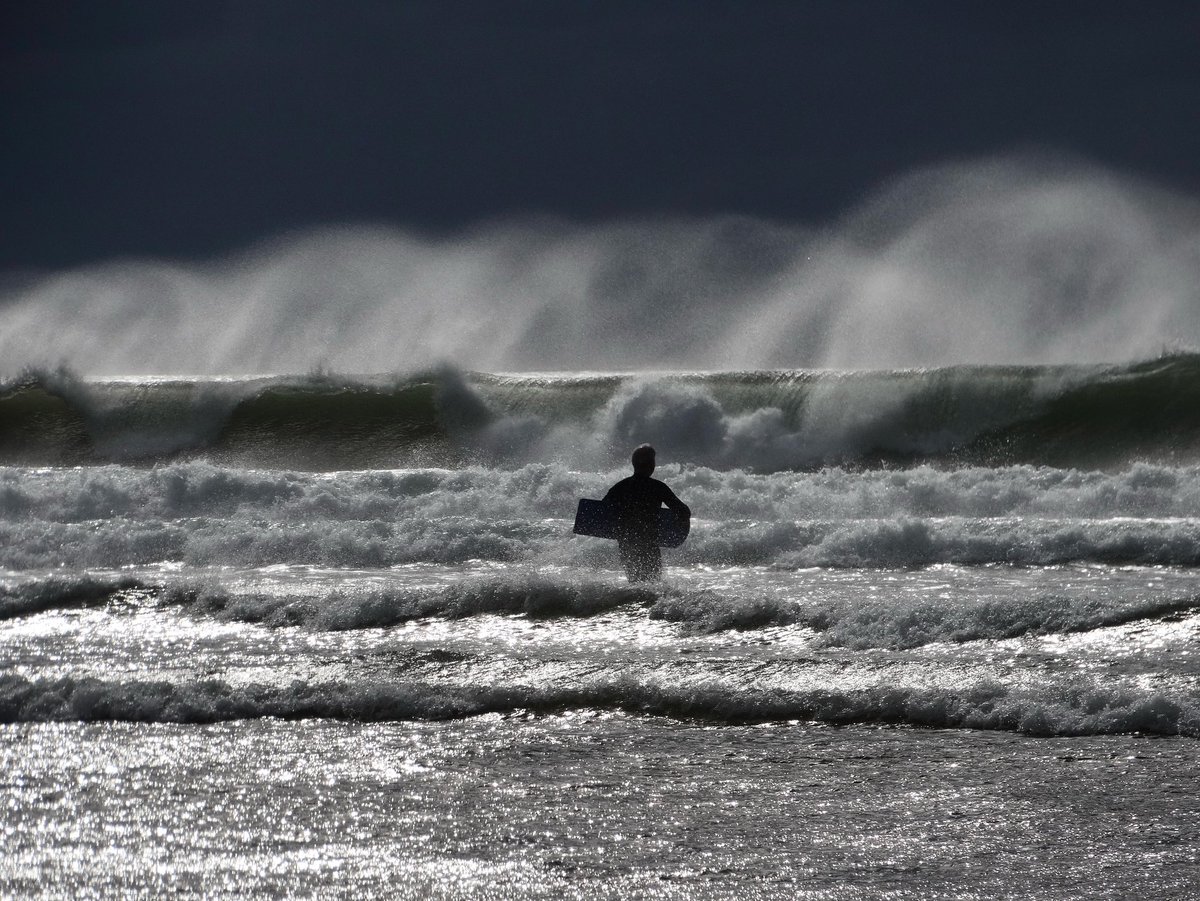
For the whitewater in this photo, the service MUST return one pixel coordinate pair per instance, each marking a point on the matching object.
(903, 648)
(290, 604)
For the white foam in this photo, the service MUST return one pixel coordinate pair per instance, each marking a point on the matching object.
(107, 517)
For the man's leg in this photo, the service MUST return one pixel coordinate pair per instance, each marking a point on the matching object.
(642, 562)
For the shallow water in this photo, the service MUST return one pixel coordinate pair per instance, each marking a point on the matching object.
(586, 804)
(610, 744)
(910, 683)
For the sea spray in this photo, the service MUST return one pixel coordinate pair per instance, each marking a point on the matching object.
(1001, 260)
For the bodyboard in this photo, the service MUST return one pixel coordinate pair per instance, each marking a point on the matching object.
(599, 520)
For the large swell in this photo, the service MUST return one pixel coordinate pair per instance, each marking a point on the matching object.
(769, 421)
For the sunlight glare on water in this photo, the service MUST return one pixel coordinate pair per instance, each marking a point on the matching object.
(564, 806)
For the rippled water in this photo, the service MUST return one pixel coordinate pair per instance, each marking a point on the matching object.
(585, 805)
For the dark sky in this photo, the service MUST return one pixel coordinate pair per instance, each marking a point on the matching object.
(183, 128)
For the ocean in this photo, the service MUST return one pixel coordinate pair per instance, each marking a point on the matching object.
(935, 634)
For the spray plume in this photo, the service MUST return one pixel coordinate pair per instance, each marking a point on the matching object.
(997, 261)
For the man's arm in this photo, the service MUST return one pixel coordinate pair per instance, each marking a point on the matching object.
(674, 503)
(615, 492)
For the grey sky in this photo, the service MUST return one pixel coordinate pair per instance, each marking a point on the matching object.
(176, 129)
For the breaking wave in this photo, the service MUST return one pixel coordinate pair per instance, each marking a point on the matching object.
(835, 619)
(1076, 709)
(1064, 416)
(28, 596)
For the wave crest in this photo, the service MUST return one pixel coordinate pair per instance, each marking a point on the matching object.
(1092, 417)
(1080, 709)
(531, 595)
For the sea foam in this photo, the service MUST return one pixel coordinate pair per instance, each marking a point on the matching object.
(197, 513)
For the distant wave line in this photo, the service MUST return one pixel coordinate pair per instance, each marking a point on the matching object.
(1096, 416)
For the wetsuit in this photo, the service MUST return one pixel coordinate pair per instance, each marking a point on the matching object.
(638, 500)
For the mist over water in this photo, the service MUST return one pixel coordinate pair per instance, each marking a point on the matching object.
(1006, 260)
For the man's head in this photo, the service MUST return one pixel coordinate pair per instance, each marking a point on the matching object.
(643, 460)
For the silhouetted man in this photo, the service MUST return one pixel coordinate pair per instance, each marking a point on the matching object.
(638, 500)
